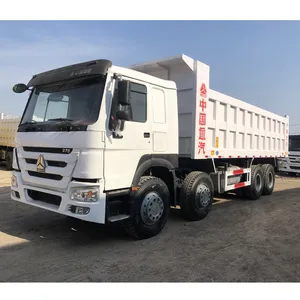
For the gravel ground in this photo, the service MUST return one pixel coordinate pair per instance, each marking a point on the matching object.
(239, 241)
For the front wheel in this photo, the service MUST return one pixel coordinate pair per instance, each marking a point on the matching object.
(151, 207)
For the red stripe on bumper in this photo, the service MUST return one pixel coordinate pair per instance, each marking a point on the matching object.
(238, 185)
(238, 172)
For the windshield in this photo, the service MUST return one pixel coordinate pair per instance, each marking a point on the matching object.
(294, 143)
(76, 101)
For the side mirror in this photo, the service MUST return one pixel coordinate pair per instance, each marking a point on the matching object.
(20, 88)
(124, 92)
(123, 115)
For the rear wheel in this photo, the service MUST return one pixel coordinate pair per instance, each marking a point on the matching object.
(151, 207)
(269, 179)
(254, 191)
(240, 192)
(196, 196)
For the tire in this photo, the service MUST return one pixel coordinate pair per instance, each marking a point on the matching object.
(254, 191)
(240, 193)
(143, 224)
(9, 161)
(269, 179)
(194, 208)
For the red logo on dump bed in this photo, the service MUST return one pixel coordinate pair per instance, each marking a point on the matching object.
(201, 146)
(203, 90)
(202, 104)
(202, 119)
(201, 133)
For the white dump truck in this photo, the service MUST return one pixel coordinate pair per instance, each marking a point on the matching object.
(106, 144)
(8, 128)
(291, 164)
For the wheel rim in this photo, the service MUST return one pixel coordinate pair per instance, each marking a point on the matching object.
(203, 196)
(271, 180)
(258, 182)
(152, 208)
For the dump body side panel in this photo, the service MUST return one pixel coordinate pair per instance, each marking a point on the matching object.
(214, 125)
(8, 128)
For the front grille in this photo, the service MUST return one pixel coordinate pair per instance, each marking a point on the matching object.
(45, 175)
(295, 168)
(44, 197)
(50, 163)
(294, 161)
(48, 150)
(59, 165)
(88, 180)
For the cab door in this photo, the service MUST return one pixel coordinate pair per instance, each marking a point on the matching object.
(123, 151)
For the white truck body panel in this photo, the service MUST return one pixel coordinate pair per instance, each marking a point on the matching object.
(214, 125)
(8, 129)
(124, 154)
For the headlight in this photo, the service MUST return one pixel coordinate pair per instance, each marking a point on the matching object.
(85, 194)
(14, 181)
(283, 163)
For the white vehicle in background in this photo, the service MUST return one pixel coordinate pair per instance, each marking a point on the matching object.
(291, 164)
(106, 144)
(8, 128)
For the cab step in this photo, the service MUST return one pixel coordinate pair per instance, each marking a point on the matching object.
(118, 218)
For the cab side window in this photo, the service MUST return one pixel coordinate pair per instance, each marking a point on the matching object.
(138, 104)
(138, 100)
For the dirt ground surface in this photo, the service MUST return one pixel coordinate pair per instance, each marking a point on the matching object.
(239, 240)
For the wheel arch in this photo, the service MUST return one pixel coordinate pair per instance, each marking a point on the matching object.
(161, 167)
(263, 161)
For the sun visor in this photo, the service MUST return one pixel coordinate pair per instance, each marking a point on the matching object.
(95, 67)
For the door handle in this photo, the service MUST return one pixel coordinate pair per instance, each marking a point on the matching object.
(146, 134)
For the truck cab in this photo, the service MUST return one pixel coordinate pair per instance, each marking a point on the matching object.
(87, 135)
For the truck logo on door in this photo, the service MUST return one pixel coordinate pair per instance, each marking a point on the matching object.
(41, 164)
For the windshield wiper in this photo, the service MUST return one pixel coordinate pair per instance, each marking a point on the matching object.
(66, 121)
(61, 119)
(31, 128)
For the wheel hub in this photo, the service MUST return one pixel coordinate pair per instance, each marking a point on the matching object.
(152, 208)
(258, 182)
(203, 196)
(270, 180)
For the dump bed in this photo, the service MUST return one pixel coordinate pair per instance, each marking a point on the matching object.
(215, 125)
(8, 128)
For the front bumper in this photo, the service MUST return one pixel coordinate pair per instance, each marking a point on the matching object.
(60, 202)
(289, 167)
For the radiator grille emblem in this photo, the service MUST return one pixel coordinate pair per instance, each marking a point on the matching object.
(41, 164)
